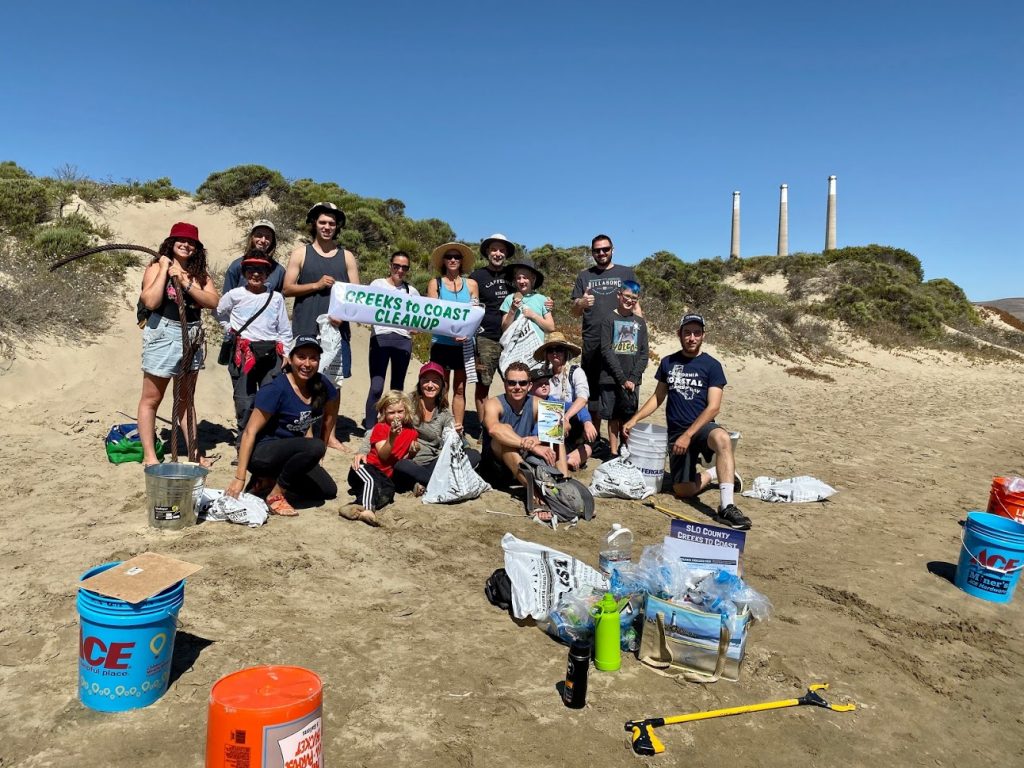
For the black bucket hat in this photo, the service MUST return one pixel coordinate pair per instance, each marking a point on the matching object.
(527, 263)
(328, 208)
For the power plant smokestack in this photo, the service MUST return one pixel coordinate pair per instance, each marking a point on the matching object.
(830, 216)
(734, 245)
(783, 249)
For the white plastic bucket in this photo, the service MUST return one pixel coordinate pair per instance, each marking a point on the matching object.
(648, 448)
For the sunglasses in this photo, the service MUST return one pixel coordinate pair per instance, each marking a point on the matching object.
(600, 250)
(403, 267)
(452, 257)
(517, 382)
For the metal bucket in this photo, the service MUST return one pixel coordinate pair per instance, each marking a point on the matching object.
(172, 492)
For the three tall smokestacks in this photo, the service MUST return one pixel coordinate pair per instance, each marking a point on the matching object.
(782, 248)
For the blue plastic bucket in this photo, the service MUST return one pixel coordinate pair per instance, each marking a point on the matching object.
(991, 557)
(125, 650)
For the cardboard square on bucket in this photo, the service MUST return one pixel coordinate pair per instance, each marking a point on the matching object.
(141, 577)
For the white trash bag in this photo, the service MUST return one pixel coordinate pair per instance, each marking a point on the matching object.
(330, 342)
(518, 343)
(619, 479)
(454, 478)
(247, 509)
(541, 575)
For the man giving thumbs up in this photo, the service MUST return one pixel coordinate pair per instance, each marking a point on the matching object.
(593, 298)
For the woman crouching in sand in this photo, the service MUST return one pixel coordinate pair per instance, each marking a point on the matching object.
(288, 433)
(180, 266)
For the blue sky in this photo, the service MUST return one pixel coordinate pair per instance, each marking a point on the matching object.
(554, 121)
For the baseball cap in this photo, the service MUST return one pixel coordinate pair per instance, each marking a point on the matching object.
(305, 341)
(699, 319)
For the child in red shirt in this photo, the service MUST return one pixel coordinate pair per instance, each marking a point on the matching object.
(392, 438)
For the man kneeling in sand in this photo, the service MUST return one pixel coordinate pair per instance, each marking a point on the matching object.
(693, 382)
(510, 423)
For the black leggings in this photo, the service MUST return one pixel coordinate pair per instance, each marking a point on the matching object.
(295, 463)
(408, 472)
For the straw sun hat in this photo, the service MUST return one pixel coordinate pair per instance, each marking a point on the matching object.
(556, 339)
(468, 257)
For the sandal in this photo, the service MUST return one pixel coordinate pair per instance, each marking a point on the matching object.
(279, 506)
(542, 515)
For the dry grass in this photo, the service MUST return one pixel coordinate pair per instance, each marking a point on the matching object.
(806, 373)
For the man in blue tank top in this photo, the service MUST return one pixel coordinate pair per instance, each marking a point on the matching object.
(314, 268)
(509, 425)
(693, 382)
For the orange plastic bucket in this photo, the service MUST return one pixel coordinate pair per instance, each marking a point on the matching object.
(1005, 502)
(266, 717)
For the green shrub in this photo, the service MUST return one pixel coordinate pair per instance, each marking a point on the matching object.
(146, 191)
(23, 204)
(53, 243)
(11, 170)
(242, 182)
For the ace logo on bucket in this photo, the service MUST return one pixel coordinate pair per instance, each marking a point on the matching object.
(104, 658)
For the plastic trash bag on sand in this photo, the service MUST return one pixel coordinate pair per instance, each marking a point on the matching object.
(619, 479)
(793, 490)
(454, 478)
(541, 575)
(247, 509)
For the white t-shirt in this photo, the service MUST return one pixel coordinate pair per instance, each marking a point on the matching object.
(380, 330)
(578, 387)
(239, 304)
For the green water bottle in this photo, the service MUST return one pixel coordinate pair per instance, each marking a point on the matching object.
(607, 653)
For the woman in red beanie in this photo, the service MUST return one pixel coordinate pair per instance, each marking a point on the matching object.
(180, 266)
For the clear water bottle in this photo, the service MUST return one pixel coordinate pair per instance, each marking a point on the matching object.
(616, 549)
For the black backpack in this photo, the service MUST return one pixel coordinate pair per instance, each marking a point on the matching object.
(498, 590)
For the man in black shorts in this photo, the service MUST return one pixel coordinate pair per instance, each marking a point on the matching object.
(594, 297)
(493, 284)
(693, 382)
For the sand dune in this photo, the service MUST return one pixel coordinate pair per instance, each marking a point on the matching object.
(420, 670)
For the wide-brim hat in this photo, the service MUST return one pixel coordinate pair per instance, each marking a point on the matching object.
(328, 208)
(438, 253)
(182, 230)
(497, 236)
(556, 339)
(527, 263)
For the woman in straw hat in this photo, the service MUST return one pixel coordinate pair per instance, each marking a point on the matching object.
(569, 385)
(180, 266)
(451, 262)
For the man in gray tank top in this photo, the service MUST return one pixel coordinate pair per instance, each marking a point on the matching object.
(314, 268)
(510, 423)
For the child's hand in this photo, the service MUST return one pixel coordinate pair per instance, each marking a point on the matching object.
(396, 426)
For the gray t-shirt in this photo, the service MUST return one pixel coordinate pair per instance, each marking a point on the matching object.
(604, 284)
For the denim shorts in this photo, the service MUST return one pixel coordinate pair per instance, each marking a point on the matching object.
(161, 346)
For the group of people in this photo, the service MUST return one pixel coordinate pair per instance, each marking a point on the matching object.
(286, 402)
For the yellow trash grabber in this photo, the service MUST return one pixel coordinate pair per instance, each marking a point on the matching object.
(669, 512)
(646, 743)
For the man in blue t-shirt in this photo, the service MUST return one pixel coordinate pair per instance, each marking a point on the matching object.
(693, 382)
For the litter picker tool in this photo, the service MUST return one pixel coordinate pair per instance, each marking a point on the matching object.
(645, 742)
(670, 512)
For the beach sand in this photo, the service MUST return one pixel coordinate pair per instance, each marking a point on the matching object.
(419, 669)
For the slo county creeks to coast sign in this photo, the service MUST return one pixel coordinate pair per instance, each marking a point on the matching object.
(398, 309)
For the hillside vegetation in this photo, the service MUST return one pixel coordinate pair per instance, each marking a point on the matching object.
(877, 292)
